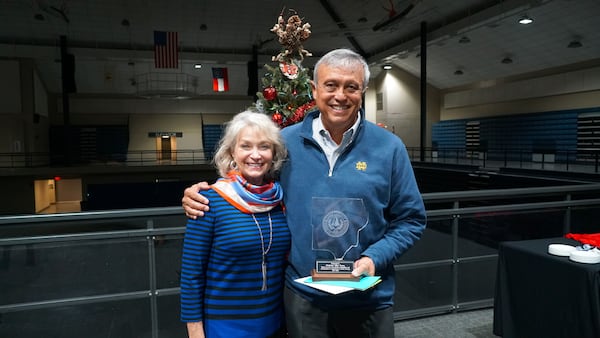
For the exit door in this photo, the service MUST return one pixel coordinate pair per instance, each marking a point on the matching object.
(165, 148)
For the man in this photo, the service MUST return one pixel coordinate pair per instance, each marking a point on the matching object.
(335, 153)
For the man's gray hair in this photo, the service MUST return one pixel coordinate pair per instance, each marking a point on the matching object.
(344, 58)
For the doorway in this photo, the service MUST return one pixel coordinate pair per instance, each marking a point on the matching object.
(57, 195)
(165, 148)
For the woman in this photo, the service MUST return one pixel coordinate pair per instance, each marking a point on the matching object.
(234, 257)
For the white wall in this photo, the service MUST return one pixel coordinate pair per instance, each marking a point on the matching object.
(371, 104)
(68, 190)
(533, 105)
(44, 192)
(402, 105)
(568, 90)
(208, 105)
(141, 125)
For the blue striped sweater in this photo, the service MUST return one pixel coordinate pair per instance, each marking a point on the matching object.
(221, 276)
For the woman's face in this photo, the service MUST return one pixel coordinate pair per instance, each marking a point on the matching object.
(253, 154)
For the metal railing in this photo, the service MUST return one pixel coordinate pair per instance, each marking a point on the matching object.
(586, 160)
(580, 160)
(74, 263)
(130, 158)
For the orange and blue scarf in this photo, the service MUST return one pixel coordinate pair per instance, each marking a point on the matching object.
(246, 197)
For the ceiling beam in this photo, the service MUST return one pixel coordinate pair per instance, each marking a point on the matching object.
(338, 21)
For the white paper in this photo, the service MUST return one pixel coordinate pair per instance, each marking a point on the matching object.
(337, 287)
(336, 290)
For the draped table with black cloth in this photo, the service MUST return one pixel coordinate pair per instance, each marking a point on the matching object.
(542, 295)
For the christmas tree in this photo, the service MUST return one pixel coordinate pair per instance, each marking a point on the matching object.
(286, 94)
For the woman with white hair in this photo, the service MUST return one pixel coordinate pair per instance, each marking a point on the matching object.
(234, 257)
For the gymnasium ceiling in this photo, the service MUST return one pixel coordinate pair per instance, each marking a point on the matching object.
(471, 37)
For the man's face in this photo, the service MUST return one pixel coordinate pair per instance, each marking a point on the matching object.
(338, 95)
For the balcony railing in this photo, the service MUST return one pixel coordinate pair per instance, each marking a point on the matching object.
(130, 158)
(572, 161)
(116, 273)
(581, 160)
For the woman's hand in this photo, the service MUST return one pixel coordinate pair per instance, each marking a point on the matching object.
(195, 329)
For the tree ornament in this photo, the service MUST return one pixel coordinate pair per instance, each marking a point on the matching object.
(290, 70)
(270, 93)
(291, 35)
(277, 118)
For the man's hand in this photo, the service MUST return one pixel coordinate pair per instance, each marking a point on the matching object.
(193, 203)
(364, 267)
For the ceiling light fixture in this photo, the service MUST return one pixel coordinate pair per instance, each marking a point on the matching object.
(198, 66)
(574, 44)
(507, 60)
(525, 20)
(387, 67)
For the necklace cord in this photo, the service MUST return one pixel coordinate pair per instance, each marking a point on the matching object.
(262, 247)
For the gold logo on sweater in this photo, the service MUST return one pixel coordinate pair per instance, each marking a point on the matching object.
(362, 166)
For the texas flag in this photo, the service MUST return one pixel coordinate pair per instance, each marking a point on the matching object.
(220, 80)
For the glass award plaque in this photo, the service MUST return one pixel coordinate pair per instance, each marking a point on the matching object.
(336, 225)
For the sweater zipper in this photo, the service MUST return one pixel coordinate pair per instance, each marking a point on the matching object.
(330, 171)
(342, 153)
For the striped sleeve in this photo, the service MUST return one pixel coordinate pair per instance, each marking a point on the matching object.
(197, 244)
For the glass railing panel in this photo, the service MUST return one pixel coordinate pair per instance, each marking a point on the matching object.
(47, 271)
(169, 324)
(436, 235)
(170, 221)
(72, 227)
(476, 279)
(486, 230)
(117, 319)
(168, 260)
(585, 220)
(423, 288)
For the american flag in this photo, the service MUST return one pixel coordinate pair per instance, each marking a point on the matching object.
(166, 53)
(220, 80)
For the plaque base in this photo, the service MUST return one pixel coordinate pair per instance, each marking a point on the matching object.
(319, 276)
